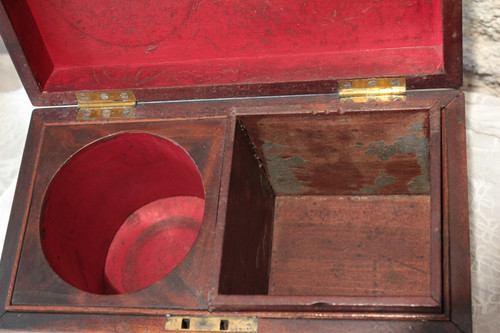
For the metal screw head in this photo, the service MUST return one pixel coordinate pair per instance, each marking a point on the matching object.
(104, 96)
(86, 113)
(348, 100)
(106, 113)
(372, 83)
(124, 95)
(397, 99)
(84, 97)
(127, 112)
(347, 84)
(395, 82)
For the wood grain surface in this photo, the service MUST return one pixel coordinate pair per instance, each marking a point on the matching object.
(351, 246)
(422, 234)
(186, 286)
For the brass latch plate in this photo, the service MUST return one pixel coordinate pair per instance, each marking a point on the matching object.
(211, 324)
(372, 90)
(106, 104)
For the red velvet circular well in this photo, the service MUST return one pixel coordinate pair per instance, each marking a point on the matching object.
(152, 242)
(107, 183)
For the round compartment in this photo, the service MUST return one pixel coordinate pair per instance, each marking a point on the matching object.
(122, 213)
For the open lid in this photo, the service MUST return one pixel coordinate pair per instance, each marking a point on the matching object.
(164, 50)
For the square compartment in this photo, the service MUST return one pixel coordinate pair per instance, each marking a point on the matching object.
(333, 210)
(96, 181)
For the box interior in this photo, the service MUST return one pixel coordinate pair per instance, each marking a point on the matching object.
(96, 45)
(329, 205)
(122, 213)
(114, 216)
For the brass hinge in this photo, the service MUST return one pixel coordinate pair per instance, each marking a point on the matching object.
(211, 324)
(372, 90)
(106, 105)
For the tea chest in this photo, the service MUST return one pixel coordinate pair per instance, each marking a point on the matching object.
(248, 166)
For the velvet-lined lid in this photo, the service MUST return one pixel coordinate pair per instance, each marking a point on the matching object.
(197, 49)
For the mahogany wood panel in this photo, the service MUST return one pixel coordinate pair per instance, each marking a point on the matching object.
(358, 153)
(103, 323)
(20, 210)
(141, 178)
(71, 310)
(322, 111)
(81, 323)
(249, 224)
(187, 285)
(365, 326)
(351, 246)
(456, 215)
(29, 41)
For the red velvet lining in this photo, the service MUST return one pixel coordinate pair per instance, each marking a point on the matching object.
(152, 242)
(138, 44)
(95, 192)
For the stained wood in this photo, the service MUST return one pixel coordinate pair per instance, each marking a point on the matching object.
(80, 323)
(36, 282)
(41, 302)
(94, 194)
(456, 216)
(351, 246)
(249, 224)
(362, 326)
(358, 153)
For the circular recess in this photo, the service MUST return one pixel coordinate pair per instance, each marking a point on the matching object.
(152, 242)
(122, 213)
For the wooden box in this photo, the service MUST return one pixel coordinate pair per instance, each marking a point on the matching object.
(250, 166)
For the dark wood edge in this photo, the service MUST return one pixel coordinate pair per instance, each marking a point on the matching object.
(436, 204)
(458, 215)
(260, 312)
(328, 306)
(80, 323)
(452, 37)
(445, 216)
(344, 326)
(432, 81)
(451, 78)
(107, 323)
(20, 210)
(452, 52)
(221, 209)
(18, 57)
(304, 104)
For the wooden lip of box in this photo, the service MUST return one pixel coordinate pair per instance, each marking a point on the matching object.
(320, 214)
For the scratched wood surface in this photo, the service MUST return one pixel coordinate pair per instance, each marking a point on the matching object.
(351, 246)
(249, 224)
(186, 286)
(357, 153)
(42, 303)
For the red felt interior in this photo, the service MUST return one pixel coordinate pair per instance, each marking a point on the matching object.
(95, 44)
(152, 242)
(94, 193)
